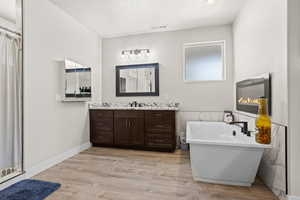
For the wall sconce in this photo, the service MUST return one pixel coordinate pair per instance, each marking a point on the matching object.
(135, 53)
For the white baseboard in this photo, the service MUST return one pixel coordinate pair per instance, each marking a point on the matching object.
(46, 164)
(293, 198)
(55, 160)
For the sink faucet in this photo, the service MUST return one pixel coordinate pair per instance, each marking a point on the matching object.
(133, 104)
(244, 127)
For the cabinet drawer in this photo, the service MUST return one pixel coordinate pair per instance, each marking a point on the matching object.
(96, 114)
(159, 145)
(129, 114)
(159, 142)
(163, 140)
(159, 121)
(102, 137)
(103, 124)
(162, 135)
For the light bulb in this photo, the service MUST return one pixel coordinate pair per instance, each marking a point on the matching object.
(123, 54)
(211, 1)
(147, 52)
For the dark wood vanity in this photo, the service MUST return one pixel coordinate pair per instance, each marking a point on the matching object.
(137, 129)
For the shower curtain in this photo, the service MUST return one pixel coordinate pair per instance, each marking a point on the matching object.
(10, 104)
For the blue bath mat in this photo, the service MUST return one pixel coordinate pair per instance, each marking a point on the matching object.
(29, 190)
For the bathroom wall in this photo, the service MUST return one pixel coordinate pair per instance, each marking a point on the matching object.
(52, 127)
(273, 167)
(294, 96)
(260, 45)
(167, 49)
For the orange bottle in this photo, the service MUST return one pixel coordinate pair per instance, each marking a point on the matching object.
(263, 123)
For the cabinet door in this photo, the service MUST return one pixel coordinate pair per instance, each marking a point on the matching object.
(137, 131)
(129, 128)
(122, 131)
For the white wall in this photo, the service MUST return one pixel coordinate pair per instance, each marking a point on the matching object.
(167, 50)
(50, 35)
(294, 95)
(260, 46)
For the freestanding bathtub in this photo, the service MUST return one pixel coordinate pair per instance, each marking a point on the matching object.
(217, 156)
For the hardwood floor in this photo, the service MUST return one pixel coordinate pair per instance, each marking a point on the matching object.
(114, 174)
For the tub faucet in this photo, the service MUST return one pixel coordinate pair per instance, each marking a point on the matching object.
(244, 127)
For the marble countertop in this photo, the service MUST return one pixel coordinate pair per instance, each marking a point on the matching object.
(133, 108)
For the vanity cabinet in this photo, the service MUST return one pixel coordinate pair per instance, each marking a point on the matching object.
(129, 126)
(139, 129)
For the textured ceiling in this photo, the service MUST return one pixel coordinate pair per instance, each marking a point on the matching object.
(112, 18)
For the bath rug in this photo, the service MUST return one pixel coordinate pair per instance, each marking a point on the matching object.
(29, 190)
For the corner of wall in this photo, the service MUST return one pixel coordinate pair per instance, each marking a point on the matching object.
(100, 89)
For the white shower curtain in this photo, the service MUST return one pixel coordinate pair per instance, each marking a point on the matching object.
(10, 102)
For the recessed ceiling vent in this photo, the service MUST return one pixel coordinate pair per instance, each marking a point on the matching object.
(159, 27)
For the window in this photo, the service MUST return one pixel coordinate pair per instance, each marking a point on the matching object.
(204, 61)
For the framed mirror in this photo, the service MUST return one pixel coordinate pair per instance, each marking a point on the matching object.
(78, 83)
(137, 80)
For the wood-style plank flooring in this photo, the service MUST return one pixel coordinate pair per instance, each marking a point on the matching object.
(115, 174)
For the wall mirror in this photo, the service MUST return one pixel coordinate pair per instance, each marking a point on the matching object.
(78, 84)
(11, 90)
(137, 80)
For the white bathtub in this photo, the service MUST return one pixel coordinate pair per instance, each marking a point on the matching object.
(219, 157)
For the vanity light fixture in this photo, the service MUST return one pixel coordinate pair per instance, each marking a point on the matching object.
(135, 52)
